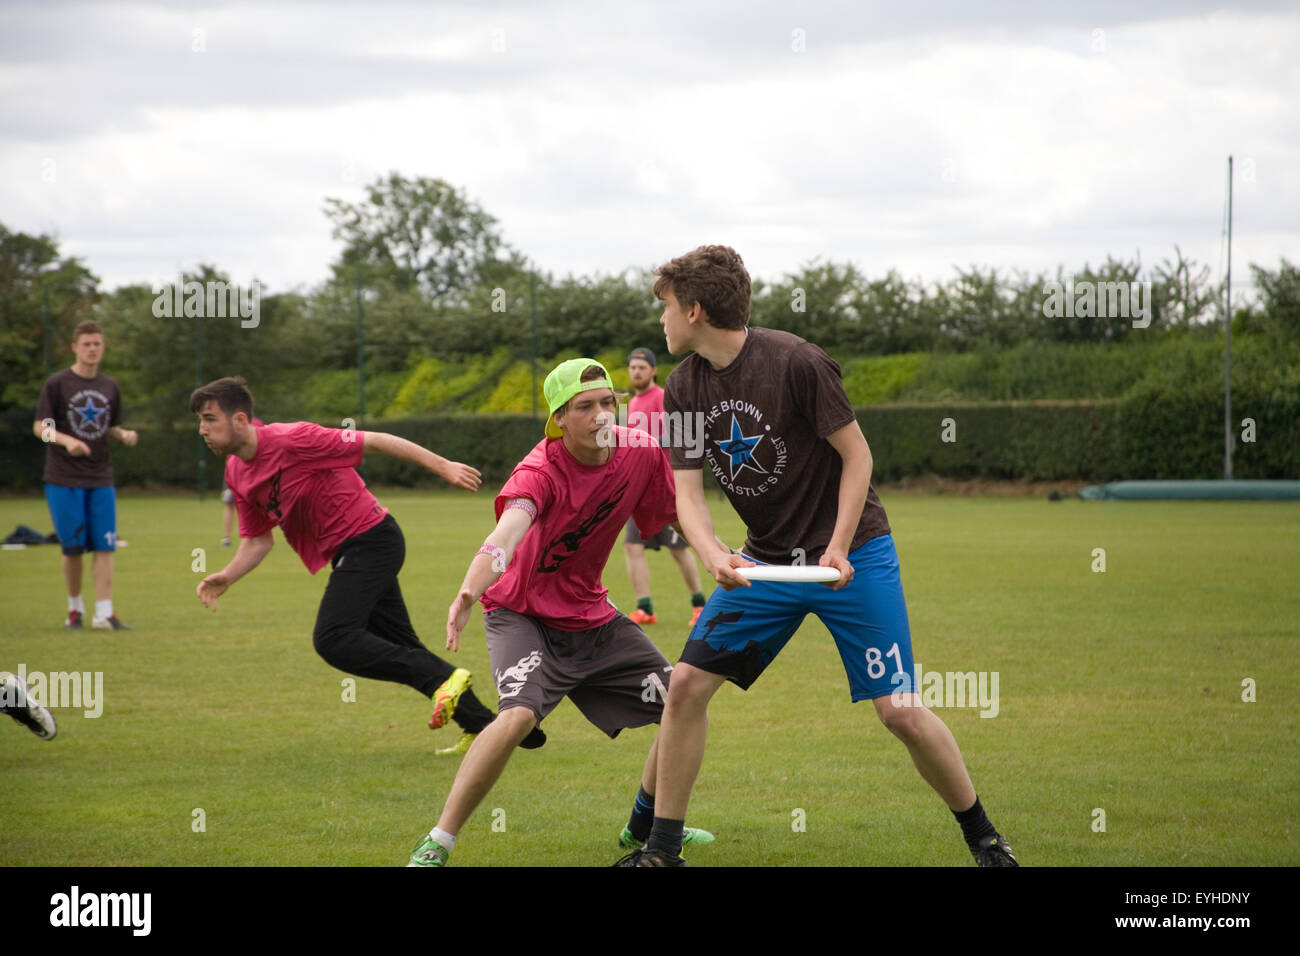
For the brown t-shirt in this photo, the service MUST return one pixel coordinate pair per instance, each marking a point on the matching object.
(86, 408)
(767, 415)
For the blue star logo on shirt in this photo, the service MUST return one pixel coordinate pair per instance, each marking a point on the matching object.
(740, 449)
(89, 412)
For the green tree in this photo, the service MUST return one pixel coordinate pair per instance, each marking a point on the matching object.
(417, 234)
(30, 271)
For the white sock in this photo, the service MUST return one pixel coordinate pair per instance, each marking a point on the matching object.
(104, 609)
(76, 604)
(442, 836)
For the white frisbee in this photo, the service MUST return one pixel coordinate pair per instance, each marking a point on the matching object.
(790, 572)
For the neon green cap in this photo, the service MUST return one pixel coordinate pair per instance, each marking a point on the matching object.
(563, 383)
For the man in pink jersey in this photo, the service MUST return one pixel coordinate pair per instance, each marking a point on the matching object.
(551, 630)
(301, 477)
(645, 411)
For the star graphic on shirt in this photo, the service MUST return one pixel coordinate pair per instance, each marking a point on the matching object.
(740, 448)
(89, 412)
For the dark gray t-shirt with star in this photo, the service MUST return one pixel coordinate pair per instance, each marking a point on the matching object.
(766, 418)
(85, 408)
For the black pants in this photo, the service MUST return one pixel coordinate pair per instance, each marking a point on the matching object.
(362, 626)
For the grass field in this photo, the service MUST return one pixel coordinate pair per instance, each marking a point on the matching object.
(1119, 691)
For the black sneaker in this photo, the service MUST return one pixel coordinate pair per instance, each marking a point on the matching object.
(73, 623)
(993, 851)
(650, 858)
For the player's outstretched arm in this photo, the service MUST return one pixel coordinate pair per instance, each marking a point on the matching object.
(697, 528)
(486, 568)
(250, 554)
(460, 475)
(855, 481)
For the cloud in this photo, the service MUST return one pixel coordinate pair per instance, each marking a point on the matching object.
(603, 137)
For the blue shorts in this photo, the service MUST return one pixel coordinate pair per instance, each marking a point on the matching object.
(85, 519)
(742, 630)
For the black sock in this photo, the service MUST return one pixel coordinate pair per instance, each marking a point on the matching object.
(643, 815)
(975, 824)
(697, 599)
(666, 836)
(536, 738)
(646, 605)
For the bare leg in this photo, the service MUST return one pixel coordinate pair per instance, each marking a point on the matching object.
(638, 570)
(685, 559)
(482, 766)
(101, 566)
(683, 731)
(651, 768)
(931, 744)
(72, 573)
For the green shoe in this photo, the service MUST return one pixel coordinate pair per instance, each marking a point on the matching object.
(428, 852)
(461, 746)
(689, 835)
(447, 696)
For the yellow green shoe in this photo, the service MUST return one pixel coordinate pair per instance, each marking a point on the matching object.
(689, 835)
(428, 852)
(446, 697)
(461, 746)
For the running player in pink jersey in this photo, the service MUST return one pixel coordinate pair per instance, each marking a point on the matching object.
(645, 410)
(301, 477)
(551, 630)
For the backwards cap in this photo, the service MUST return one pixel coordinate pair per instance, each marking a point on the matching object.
(563, 384)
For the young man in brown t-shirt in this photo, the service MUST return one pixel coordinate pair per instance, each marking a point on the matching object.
(781, 439)
(78, 412)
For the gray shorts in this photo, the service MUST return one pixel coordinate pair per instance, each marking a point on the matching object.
(666, 537)
(612, 673)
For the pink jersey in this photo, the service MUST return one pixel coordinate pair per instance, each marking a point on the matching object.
(646, 412)
(554, 574)
(302, 480)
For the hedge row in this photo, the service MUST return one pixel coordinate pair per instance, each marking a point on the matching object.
(1157, 437)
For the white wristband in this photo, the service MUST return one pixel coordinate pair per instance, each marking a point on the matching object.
(499, 563)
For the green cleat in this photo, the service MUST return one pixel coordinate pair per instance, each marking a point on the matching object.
(447, 696)
(690, 835)
(461, 746)
(428, 852)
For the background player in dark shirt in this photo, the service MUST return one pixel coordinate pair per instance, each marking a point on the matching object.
(78, 411)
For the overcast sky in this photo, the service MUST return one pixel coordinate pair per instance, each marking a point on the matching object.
(149, 137)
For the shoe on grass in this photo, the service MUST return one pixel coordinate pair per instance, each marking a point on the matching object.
(690, 835)
(695, 614)
(109, 624)
(993, 851)
(461, 746)
(640, 617)
(650, 858)
(73, 623)
(428, 852)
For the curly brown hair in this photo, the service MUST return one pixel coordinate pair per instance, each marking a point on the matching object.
(713, 276)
